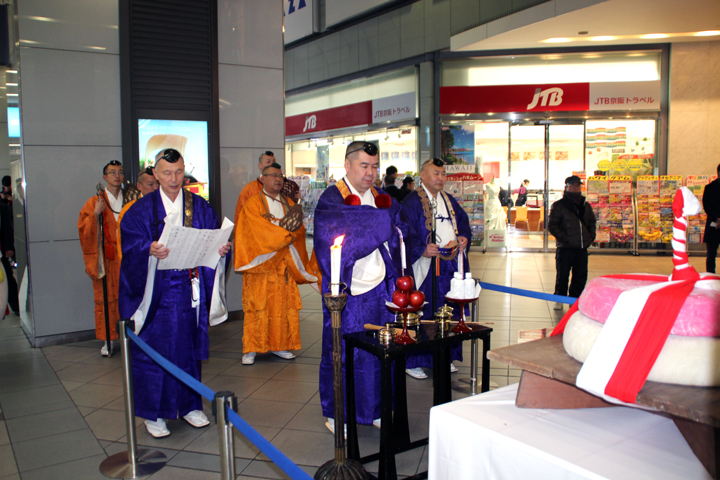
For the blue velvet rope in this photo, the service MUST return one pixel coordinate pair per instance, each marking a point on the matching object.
(529, 293)
(270, 450)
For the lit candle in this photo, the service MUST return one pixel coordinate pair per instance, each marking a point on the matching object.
(335, 255)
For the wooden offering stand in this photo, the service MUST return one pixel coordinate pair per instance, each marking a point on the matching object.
(548, 381)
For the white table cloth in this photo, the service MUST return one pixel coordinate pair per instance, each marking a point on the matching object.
(487, 437)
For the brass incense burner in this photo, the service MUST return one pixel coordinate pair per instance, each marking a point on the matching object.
(443, 317)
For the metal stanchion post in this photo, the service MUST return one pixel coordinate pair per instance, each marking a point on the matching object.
(134, 462)
(223, 401)
(473, 351)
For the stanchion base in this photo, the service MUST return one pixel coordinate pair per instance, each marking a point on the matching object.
(350, 470)
(148, 462)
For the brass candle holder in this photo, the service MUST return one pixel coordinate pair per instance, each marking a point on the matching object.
(341, 467)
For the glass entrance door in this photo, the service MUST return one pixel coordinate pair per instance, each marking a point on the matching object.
(526, 186)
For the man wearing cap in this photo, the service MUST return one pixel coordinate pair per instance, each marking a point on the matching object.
(390, 176)
(572, 223)
(270, 247)
(173, 313)
(452, 228)
(370, 264)
(100, 255)
(146, 184)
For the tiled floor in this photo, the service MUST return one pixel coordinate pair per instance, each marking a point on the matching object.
(62, 410)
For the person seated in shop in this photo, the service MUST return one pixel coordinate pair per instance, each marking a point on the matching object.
(505, 199)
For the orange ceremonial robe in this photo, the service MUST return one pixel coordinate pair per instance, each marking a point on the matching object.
(87, 228)
(251, 189)
(271, 299)
(125, 208)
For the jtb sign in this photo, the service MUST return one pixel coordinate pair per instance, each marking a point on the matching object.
(549, 97)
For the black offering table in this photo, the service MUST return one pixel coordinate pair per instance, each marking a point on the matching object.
(394, 431)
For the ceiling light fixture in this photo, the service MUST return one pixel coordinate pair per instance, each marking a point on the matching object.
(602, 38)
(708, 33)
(654, 35)
(556, 40)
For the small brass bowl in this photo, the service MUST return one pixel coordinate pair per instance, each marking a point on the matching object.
(386, 336)
(413, 318)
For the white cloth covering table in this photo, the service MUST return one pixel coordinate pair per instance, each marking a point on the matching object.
(487, 437)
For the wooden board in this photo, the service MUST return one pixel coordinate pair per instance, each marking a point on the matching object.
(536, 391)
(547, 357)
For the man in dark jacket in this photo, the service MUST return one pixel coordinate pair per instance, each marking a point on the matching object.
(711, 205)
(572, 223)
(7, 243)
(391, 174)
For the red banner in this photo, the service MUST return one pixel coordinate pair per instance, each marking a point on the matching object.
(329, 119)
(515, 98)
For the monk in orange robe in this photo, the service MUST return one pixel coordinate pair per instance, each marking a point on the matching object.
(254, 187)
(105, 206)
(270, 252)
(146, 183)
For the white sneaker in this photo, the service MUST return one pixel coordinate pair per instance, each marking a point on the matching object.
(558, 306)
(284, 354)
(197, 419)
(104, 350)
(376, 422)
(157, 429)
(453, 368)
(416, 372)
(330, 424)
(248, 358)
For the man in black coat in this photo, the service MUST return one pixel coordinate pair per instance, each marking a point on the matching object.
(572, 223)
(711, 205)
(7, 243)
(391, 173)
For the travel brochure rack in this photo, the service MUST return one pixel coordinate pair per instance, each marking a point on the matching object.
(637, 218)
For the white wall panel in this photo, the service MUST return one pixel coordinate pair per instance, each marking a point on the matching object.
(251, 107)
(70, 98)
(62, 291)
(250, 33)
(55, 192)
(80, 25)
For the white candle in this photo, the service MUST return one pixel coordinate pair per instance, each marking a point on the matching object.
(402, 250)
(335, 255)
(460, 260)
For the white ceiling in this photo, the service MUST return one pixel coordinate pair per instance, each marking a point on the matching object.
(624, 19)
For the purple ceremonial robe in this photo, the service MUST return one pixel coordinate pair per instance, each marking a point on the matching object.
(365, 229)
(419, 238)
(172, 326)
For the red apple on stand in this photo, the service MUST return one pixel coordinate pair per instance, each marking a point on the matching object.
(405, 283)
(401, 299)
(417, 298)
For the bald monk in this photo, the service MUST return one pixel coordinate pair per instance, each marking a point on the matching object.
(106, 208)
(256, 186)
(270, 252)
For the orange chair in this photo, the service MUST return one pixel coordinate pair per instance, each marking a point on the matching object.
(507, 215)
(521, 217)
(541, 220)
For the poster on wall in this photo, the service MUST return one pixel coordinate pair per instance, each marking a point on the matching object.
(620, 148)
(468, 190)
(323, 163)
(188, 137)
(457, 144)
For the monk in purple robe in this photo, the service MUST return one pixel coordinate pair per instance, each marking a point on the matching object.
(453, 232)
(371, 263)
(171, 316)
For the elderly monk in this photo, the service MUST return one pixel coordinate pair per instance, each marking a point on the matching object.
(146, 184)
(106, 208)
(270, 249)
(173, 313)
(370, 220)
(452, 232)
